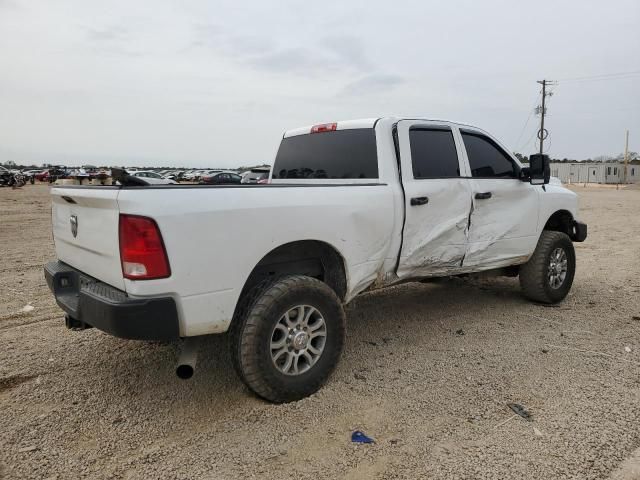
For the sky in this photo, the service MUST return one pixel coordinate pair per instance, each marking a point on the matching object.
(216, 83)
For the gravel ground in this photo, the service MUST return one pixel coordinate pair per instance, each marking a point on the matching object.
(428, 371)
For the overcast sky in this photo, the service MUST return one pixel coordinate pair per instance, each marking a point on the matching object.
(215, 83)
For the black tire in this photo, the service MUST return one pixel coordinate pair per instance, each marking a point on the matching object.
(534, 275)
(253, 327)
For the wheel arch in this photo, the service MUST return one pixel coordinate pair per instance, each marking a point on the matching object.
(561, 221)
(314, 258)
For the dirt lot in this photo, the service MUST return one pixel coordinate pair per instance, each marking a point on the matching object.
(428, 371)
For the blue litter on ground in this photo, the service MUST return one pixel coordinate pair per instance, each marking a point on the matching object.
(359, 437)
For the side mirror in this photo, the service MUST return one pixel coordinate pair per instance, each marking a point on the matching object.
(539, 169)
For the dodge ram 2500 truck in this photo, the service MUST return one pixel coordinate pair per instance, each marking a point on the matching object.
(349, 206)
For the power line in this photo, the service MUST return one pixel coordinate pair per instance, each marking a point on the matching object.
(543, 133)
(527, 122)
(596, 112)
(601, 79)
(603, 76)
(526, 145)
(537, 110)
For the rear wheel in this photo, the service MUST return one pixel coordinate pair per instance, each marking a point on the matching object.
(548, 275)
(287, 337)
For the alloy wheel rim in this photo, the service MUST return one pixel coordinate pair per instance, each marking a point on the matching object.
(558, 267)
(298, 340)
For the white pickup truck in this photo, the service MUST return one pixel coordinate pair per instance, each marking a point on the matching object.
(349, 206)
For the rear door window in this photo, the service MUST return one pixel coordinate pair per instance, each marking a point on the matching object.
(340, 154)
(433, 153)
(486, 159)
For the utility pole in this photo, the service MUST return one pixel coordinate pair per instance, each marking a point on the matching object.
(542, 110)
(626, 156)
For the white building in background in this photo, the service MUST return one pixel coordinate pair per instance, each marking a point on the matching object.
(582, 172)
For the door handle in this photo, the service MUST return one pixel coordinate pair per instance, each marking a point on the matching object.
(419, 201)
(483, 195)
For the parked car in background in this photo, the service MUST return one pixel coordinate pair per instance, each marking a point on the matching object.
(171, 175)
(221, 178)
(41, 176)
(6, 177)
(80, 174)
(256, 175)
(153, 178)
(12, 178)
(31, 174)
(207, 173)
(176, 175)
(192, 175)
(52, 174)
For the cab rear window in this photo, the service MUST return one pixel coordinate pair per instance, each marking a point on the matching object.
(336, 154)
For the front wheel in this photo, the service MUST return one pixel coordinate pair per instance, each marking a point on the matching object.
(548, 275)
(287, 337)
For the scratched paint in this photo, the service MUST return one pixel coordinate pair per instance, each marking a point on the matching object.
(503, 229)
(435, 236)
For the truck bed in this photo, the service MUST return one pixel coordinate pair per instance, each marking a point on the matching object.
(216, 235)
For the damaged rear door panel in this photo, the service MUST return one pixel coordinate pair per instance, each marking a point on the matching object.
(437, 199)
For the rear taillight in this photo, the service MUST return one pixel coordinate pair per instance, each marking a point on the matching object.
(142, 251)
(263, 181)
(325, 127)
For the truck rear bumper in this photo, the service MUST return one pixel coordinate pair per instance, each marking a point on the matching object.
(87, 300)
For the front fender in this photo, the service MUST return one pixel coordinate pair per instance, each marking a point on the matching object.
(555, 198)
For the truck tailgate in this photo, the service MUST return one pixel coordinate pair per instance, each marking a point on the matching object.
(85, 231)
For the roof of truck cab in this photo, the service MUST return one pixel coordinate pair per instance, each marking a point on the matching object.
(371, 122)
(340, 125)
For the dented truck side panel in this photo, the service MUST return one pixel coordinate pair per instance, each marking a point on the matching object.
(435, 243)
(503, 228)
(455, 232)
(435, 233)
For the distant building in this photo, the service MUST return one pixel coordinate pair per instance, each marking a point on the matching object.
(582, 172)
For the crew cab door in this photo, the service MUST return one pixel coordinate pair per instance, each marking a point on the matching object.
(504, 221)
(437, 199)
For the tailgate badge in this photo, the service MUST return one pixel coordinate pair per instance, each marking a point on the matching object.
(74, 225)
